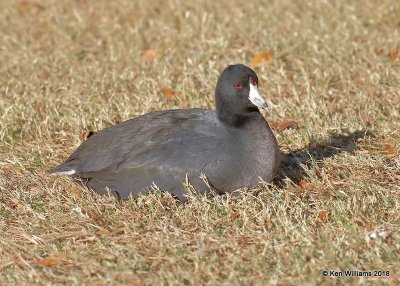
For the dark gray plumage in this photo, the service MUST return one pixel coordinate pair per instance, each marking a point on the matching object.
(233, 146)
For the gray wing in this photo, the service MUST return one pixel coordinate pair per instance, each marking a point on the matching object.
(160, 148)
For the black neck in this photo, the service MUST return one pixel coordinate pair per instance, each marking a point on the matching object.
(238, 119)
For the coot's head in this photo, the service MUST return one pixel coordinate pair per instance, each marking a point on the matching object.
(236, 95)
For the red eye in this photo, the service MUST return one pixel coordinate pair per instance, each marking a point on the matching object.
(238, 85)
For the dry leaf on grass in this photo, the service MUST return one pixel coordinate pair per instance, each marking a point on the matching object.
(323, 214)
(85, 134)
(20, 170)
(148, 56)
(48, 262)
(116, 119)
(395, 54)
(40, 105)
(304, 185)
(7, 167)
(12, 168)
(28, 5)
(235, 214)
(170, 94)
(259, 58)
(287, 123)
(389, 150)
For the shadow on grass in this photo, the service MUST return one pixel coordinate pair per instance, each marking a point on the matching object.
(293, 163)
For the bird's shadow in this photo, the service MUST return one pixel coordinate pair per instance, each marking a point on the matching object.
(296, 162)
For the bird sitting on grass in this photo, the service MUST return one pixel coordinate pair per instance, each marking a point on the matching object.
(226, 149)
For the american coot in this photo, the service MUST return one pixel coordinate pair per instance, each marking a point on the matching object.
(232, 147)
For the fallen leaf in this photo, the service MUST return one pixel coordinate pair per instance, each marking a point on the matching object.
(389, 150)
(148, 56)
(170, 94)
(395, 54)
(7, 167)
(304, 185)
(261, 57)
(287, 123)
(116, 119)
(323, 214)
(48, 262)
(85, 134)
(235, 214)
(27, 5)
(39, 105)
(24, 3)
(20, 170)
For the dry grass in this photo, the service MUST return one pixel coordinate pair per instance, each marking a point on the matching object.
(68, 66)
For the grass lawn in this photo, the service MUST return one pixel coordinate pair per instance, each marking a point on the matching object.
(333, 67)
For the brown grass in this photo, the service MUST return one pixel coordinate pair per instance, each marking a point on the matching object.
(68, 66)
